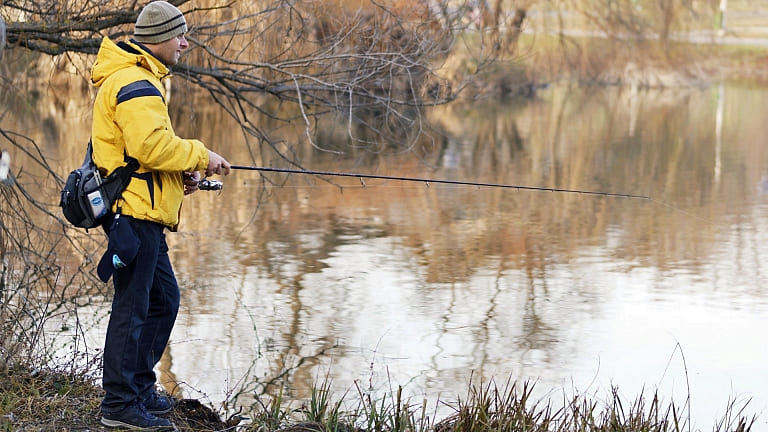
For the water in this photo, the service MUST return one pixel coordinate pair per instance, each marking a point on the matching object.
(431, 286)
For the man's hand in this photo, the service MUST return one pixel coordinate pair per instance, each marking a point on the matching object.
(217, 165)
(191, 180)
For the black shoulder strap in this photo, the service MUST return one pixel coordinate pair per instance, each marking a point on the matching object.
(132, 164)
(88, 155)
(118, 179)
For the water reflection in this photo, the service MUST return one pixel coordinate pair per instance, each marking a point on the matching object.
(424, 285)
(397, 283)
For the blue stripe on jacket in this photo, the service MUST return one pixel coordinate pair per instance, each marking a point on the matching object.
(137, 89)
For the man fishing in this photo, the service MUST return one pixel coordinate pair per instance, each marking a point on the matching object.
(130, 119)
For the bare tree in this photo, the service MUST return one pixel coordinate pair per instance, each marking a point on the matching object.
(374, 62)
(648, 21)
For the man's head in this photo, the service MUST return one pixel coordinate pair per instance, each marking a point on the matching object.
(161, 27)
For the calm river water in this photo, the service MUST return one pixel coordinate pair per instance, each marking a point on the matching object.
(428, 286)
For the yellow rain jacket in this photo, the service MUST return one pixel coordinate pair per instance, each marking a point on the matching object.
(130, 118)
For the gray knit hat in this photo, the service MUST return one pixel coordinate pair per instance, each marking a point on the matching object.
(158, 22)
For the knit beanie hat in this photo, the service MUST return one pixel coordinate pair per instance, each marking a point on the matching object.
(158, 22)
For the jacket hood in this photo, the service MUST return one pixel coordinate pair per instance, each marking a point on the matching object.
(113, 57)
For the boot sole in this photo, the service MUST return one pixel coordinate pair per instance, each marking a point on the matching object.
(118, 424)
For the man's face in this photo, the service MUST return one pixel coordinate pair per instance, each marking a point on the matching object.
(169, 51)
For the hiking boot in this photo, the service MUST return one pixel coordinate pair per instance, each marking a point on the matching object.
(159, 405)
(135, 416)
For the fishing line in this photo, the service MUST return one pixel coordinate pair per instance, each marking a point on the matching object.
(677, 209)
(428, 181)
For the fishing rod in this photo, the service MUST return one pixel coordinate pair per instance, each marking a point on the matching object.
(215, 185)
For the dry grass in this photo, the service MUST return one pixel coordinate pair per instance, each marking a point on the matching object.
(32, 400)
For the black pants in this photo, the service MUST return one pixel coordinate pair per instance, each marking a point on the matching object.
(144, 310)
